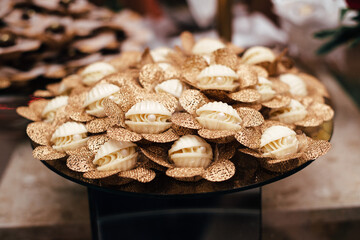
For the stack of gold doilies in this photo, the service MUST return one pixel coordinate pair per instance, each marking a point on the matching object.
(183, 112)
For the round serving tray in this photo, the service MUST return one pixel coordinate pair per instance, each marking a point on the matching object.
(249, 174)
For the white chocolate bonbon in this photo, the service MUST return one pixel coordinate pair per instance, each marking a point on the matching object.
(172, 86)
(50, 109)
(296, 84)
(148, 117)
(160, 54)
(258, 54)
(206, 46)
(96, 71)
(94, 99)
(218, 116)
(264, 87)
(191, 151)
(292, 113)
(278, 142)
(217, 77)
(69, 136)
(115, 155)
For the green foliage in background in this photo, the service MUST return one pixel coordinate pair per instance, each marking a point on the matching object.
(349, 35)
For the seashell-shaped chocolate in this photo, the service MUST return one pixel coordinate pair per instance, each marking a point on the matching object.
(278, 141)
(148, 117)
(69, 136)
(160, 54)
(63, 89)
(258, 54)
(115, 155)
(164, 66)
(191, 151)
(292, 113)
(218, 116)
(96, 71)
(217, 77)
(206, 46)
(94, 99)
(50, 109)
(264, 87)
(296, 84)
(172, 86)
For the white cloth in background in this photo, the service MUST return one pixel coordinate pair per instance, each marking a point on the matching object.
(203, 11)
(255, 29)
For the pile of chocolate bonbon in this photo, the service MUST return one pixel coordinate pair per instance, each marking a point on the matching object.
(183, 112)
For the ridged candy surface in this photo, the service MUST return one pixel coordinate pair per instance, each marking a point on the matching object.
(115, 155)
(207, 45)
(96, 71)
(292, 113)
(160, 54)
(218, 116)
(94, 99)
(69, 136)
(172, 86)
(50, 109)
(278, 141)
(264, 87)
(296, 84)
(191, 151)
(217, 77)
(148, 117)
(258, 54)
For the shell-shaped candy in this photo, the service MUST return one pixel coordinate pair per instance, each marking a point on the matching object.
(172, 86)
(96, 71)
(217, 77)
(264, 87)
(292, 113)
(164, 66)
(94, 99)
(218, 116)
(50, 109)
(278, 142)
(191, 151)
(160, 54)
(206, 46)
(69, 136)
(258, 54)
(148, 117)
(296, 84)
(116, 155)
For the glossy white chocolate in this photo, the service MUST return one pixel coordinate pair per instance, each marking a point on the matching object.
(292, 113)
(191, 151)
(206, 46)
(296, 84)
(148, 117)
(63, 89)
(264, 87)
(165, 66)
(94, 99)
(278, 142)
(69, 136)
(50, 109)
(160, 54)
(217, 77)
(172, 86)
(96, 71)
(218, 116)
(258, 54)
(115, 155)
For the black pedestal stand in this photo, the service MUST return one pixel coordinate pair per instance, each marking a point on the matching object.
(221, 216)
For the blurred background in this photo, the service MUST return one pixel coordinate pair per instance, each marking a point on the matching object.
(43, 41)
